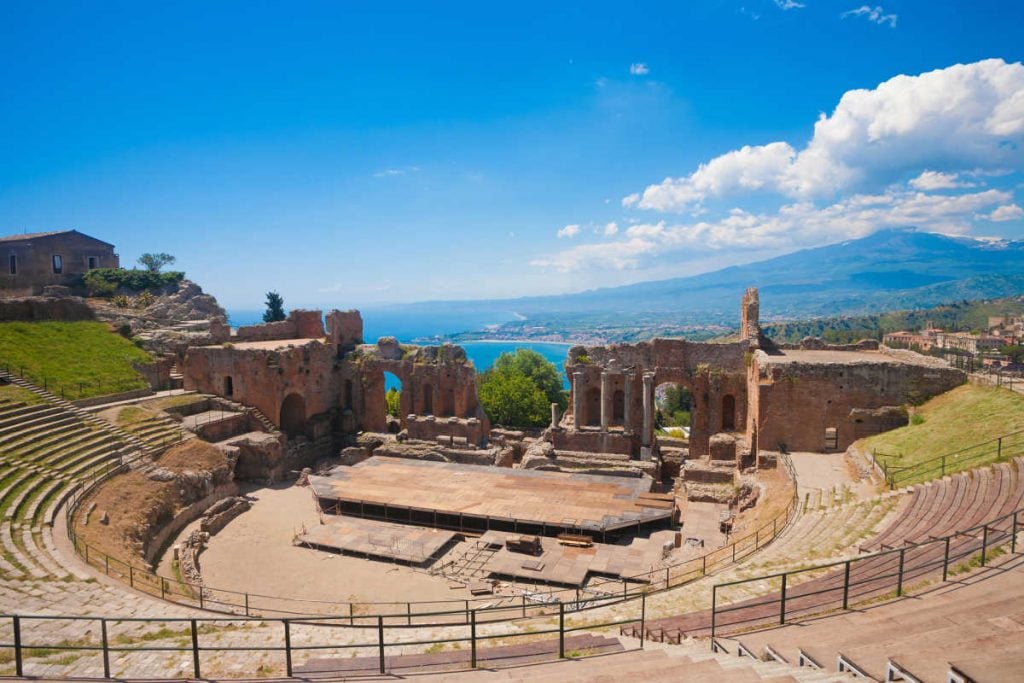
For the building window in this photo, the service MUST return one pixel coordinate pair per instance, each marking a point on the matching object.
(58, 264)
(14, 264)
(92, 262)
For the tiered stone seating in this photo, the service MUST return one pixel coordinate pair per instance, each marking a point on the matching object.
(940, 508)
(158, 431)
(974, 625)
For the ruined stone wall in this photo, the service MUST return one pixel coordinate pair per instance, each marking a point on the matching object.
(714, 373)
(750, 316)
(796, 402)
(467, 431)
(34, 308)
(264, 378)
(300, 324)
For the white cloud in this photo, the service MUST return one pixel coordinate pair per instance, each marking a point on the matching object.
(611, 229)
(936, 180)
(875, 14)
(393, 172)
(639, 69)
(963, 116)
(789, 4)
(796, 225)
(569, 231)
(1007, 212)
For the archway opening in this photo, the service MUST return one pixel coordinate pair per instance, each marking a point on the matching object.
(293, 415)
(673, 413)
(448, 404)
(728, 413)
(229, 386)
(392, 401)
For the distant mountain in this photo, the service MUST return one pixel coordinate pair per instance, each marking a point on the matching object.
(890, 269)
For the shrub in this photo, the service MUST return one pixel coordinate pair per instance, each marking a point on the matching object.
(104, 281)
(144, 300)
(121, 301)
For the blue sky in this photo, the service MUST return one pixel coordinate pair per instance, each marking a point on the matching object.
(349, 156)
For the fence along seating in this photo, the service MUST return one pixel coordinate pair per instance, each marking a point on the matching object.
(953, 505)
(972, 626)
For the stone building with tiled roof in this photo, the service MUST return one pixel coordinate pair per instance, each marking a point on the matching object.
(31, 261)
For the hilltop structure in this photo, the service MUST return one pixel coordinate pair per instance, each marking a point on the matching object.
(36, 260)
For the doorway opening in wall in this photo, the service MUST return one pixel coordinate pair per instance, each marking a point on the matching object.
(229, 386)
(393, 401)
(728, 413)
(673, 412)
(293, 415)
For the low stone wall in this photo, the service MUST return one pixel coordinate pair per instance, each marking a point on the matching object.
(468, 431)
(36, 308)
(157, 541)
(112, 398)
(300, 324)
(595, 441)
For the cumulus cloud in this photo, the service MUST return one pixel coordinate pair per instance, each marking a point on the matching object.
(1007, 212)
(875, 15)
(963, 116)
(789, 4)
(639, 69)
(611, 229)
(569, 231)
(936, 180)
(799, 224)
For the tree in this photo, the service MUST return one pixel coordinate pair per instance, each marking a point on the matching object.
(154, 262)
(393, 401)
(539, 369)
(511, 398)
(1014, 351)
(275, 308)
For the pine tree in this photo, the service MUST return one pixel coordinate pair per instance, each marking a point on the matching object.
(275, 308)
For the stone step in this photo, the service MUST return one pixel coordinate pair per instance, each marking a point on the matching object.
(7, 536)
(15, 434)
(48, 443)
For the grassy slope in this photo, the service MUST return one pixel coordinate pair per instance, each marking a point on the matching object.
(9, 392)
(963, 417)
(72, 353)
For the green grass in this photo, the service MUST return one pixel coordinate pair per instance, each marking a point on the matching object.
(959, 419)
(85, 358)
(15, 394)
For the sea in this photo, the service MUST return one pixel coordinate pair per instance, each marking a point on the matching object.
(425, 328)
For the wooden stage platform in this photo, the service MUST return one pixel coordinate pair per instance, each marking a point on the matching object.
(477, 498)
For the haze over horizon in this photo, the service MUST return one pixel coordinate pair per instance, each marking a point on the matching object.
(356, 156)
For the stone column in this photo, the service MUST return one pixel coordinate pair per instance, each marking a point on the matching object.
(627, 408)
(577, 399)
(648, 409)
(554, 416)
(606, 400)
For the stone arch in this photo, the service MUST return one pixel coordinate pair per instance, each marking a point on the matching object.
(728, 413)
(293, 415)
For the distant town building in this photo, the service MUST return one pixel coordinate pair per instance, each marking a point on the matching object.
(34, 260)
(933, 338)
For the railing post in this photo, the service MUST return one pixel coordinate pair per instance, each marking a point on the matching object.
(984, 543)
(714, 605)
(782, 602)
(666, 577)
(472, 639)
(1013, 535)
(846, 586)
(524, 605)
(195, 649)
(131, 576)
(162, 589)
(408, 614)
(246, 604)
(643, 618)
(899, 580)
(704, 565)
(19, 670)
(106, 648)
(945, 561)
(999, 449)
(943, 465)
(380, 641)
(287, 647)
(561, 630)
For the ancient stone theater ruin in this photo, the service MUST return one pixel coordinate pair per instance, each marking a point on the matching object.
(272, 518)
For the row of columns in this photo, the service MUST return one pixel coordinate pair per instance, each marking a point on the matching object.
(578, 379)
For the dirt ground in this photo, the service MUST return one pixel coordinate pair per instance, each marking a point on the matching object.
(254, 553)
